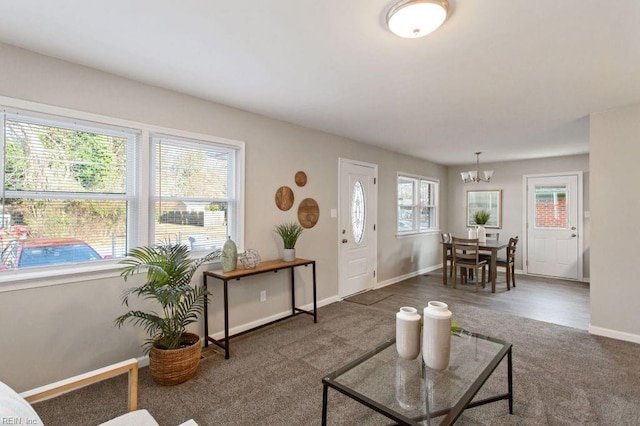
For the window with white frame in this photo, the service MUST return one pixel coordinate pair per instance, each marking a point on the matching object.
(66, 191)
(417, 204)
(195, 192)
(77, 192)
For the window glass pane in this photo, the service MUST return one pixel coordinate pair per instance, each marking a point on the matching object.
(358, 209)
(551, 207)
(406, 203)
(427, 217)
(192, 195)
(191, 171)
(426, 193)
(57, 159)
(65, 192)
(200, 225)
(45, 232)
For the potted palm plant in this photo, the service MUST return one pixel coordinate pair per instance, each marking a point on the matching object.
(289, 232)
(481, 217)
(174, 353)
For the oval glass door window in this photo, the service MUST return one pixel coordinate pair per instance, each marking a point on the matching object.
(357, 212)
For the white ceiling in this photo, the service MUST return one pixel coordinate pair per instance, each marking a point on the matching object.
(515, 79)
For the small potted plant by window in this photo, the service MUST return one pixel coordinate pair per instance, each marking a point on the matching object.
(289, 232)
(174, 352)
(481, 217)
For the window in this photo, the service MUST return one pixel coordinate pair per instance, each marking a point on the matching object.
(78, 193)
(417, 204)
(66, 191)
(195, 198)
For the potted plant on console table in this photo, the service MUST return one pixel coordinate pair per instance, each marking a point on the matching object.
(174, 353)
(289, 232)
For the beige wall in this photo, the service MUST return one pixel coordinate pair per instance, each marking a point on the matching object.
(508, 176)
(615, 207)
(54, 332)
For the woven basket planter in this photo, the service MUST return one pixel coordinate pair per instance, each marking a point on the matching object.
(173, 366)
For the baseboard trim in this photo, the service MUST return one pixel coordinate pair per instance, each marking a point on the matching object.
(614, 334)
(257, 323)
(407, 276)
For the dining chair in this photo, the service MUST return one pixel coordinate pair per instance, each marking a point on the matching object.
(493, 236)
(509, 262)
(466, 255)
(446, 238)
(484, 255)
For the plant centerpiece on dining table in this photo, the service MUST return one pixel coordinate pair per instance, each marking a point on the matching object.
(289, 232)
(174, 352)
(481, 217)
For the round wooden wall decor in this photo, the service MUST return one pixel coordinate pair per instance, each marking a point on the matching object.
(301, 178)
(284, 198)
(308, 213)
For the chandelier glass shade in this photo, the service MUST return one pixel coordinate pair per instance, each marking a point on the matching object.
(417, 18)
(474, 175)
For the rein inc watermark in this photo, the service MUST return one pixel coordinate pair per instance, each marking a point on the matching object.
(6, 420)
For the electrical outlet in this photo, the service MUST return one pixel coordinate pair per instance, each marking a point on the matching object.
(263, 296)
(411, 258)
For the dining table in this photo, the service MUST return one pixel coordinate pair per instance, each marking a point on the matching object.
(491, 246)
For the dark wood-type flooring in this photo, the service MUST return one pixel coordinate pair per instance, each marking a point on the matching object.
(544, 299)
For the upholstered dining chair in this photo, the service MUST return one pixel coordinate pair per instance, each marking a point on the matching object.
(446, 238)
(466, 255)
(509, 262)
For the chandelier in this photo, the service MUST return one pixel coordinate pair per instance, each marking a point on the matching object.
(417, 18)
(474, 175)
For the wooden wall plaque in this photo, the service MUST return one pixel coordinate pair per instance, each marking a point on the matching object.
(284, 198)
(308, 213)
(301, 178)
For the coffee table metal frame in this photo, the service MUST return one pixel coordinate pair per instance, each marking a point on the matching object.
(451, 414)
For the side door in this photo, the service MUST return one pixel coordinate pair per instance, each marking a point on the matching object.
(553, 234)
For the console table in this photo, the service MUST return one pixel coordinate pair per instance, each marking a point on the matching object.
(263, 267)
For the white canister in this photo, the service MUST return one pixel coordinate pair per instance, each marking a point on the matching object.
(436, 335)
(408, 332)
(482, 234)
(473, 233)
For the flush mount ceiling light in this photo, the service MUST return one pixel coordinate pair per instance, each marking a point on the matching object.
(474, 175)
(417, 18)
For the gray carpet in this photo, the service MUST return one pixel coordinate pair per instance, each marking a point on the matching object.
(562, 376)
(369, 297)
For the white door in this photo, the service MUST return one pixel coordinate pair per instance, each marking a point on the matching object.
(553, 226)
(357, 227)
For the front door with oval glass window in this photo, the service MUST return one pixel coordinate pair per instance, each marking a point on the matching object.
(357, 239)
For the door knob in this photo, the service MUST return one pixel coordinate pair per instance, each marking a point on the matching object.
(573, 235)
(344, 240)
(573, 228)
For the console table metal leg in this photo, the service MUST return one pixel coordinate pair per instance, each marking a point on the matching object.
(315, 307)
(226, 320)
(206, 312)
(510, 379)
(293, 293)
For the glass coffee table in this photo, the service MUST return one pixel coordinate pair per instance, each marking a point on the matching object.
(410, 393)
